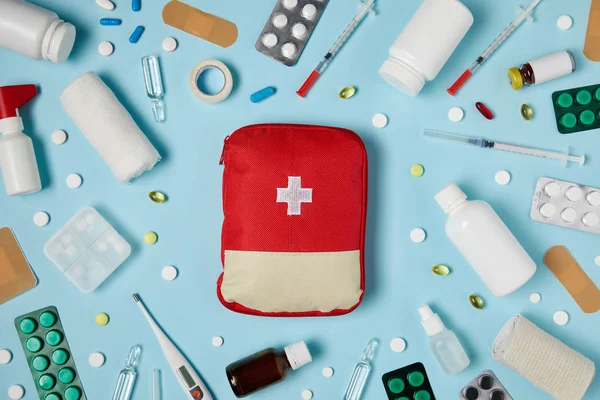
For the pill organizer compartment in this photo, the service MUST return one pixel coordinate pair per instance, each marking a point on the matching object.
(87, 249)
(485, 386)
(566, 204)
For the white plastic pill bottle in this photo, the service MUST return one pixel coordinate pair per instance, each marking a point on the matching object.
(425, 44)
(485, 242)
(34, 31)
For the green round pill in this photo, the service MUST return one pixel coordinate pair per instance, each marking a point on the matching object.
(597, 94)
(54, 337)
(72, 393)
(565, 100)
(46, 382)
(66, 375)
(416, 379)
(60, 356)
(587, 117)
(34, 344)
(402, 398)
(396, 385)
(52, 396)
(40, 363)
(568, 120)
(27, 325)
(583, 97)
(422, 395)
(47, 319)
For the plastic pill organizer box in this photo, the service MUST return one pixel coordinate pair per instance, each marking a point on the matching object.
(485, 387)
(87, 249)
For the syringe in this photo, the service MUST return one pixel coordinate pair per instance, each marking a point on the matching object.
(491, 48)
(511, 148)
(321, 66)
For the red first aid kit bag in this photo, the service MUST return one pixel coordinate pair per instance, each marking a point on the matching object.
(295, 204)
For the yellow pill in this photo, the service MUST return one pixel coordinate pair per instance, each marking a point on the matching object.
(417, 170)
(102, 319)
(150, 237)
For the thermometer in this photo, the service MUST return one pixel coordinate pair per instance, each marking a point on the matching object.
(187, 377)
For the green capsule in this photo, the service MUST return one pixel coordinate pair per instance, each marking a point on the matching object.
(157, 197)
(441, 270)
(347, 92)
(526, 112)
(476, 301)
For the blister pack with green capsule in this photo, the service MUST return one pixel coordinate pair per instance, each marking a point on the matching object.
(408, 383)
(577, 109)
(48, 355)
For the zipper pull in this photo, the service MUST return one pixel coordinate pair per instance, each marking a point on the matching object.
(223, 151)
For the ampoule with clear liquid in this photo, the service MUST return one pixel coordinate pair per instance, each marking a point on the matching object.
(361, 372)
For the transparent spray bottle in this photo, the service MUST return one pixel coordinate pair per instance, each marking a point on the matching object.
(127, 376)
(361, 372)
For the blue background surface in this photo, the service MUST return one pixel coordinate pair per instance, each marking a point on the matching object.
(399, 277)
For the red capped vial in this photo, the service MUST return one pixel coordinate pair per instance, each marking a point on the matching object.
(486, 112)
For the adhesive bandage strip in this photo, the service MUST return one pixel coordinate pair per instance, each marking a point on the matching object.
(16, 276)
(591, 47)
(225, 90)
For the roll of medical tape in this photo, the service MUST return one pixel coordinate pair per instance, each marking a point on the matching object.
(227, 86)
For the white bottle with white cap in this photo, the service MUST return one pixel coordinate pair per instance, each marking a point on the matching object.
(443, 343)
(485, 242)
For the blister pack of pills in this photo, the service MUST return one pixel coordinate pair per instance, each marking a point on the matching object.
(485, 387)
(410, 382)
(87, 249)
(288, 29)
(566, 204)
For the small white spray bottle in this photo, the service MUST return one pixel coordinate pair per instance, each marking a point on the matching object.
(17, 159)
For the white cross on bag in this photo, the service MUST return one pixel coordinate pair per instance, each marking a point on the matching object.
(294, 195)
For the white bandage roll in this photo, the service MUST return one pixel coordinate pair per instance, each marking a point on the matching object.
(543, 360)
(108, 126)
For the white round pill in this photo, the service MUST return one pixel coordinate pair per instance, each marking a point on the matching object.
(299, 30)
(502, 177)
(380, 120)
(590, 220)
(280, 20)
(593, 198)
(307, 394)
(5, 356)
(289, 4)
(398, 345)
(309, 11)
(418, 235)
(597, 260)
(569, 215)
(574, 193)
(560, 318)
(74, 181)
(548, 210)
(106, 4)
(552, 189)
(288, 50)
(535, 298)
(327, 372)
(59, 136)
(456, 114)
(269, 40)
(169, 273)
(106, 48)
(96, 360)
(564, 22)
(169, 44)
(217, 341)
(16, 392)
(41, 218)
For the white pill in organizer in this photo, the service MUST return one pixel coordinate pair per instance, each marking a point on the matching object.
(566, 204)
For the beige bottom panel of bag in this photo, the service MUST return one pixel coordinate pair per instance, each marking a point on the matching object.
(292, 282)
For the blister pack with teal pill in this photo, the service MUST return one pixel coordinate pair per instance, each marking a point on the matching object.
(408, 383)
(48, 355)
(577, 109)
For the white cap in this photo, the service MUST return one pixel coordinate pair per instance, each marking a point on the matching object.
(450, 197)
(298, 354)
(431, 322)
(402, 77)
(58, 41)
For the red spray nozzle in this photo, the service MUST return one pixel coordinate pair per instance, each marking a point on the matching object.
(13, 97)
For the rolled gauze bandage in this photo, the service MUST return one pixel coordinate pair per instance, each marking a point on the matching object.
(108, 126)
(543, 360)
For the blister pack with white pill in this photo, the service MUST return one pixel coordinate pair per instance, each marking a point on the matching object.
(566, 204)
(87, 249)
(288, 28)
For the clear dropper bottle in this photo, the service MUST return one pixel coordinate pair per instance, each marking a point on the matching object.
(127, 376)
(154, 86)
(361, 372)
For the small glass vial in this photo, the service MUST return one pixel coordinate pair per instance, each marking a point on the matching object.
(543, 69)
(266, 368)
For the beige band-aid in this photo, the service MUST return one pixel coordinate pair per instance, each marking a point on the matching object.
(591, 47)
(579, 285)
(198, 23)
(16, 276)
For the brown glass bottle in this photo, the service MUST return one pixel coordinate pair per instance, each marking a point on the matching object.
(265, 368)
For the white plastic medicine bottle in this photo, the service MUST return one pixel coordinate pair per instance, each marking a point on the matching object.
(34, 31)
(485, 242)
(425, 44)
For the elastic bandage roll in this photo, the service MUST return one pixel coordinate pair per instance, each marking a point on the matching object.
(109, 127)
(543, 360)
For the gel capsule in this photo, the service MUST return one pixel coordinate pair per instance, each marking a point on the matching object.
(440, 270)
(476, 301)
(486, 112)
